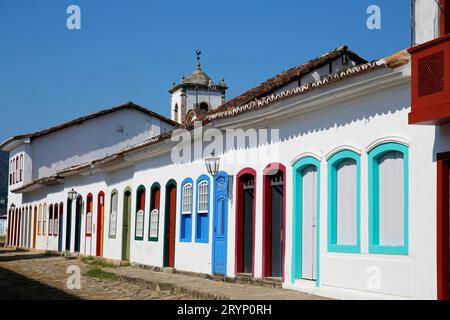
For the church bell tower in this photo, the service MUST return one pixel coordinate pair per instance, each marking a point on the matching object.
(195, 95)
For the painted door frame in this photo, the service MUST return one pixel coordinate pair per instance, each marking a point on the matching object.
(267, 207)
(100, 224)
(297, 218)
(220, 193)
(168, 232)
(60, 227)
(88, 236)
(35, 212)
(126, 217)
(239, 250)
(68, 224)
(443, 188)
(78, 223)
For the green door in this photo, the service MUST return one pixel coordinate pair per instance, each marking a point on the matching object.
(126, 226)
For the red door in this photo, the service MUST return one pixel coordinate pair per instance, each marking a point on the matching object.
(443, 226)
(100, 217)
(173, 194)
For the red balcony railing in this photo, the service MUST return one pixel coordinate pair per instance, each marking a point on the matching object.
(430, 82)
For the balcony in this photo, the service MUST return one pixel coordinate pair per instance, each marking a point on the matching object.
(430, 82)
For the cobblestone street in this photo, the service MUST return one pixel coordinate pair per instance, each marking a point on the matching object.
(25, 275)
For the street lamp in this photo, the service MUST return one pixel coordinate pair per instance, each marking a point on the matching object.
(72, 195)
(12, 207)
(212, 164)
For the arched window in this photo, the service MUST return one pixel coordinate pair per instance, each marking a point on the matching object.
(186, 210)
(44, 217)
(203, 106)
(388, 199)
(21, 168)
(344, 202)
(50, 220)
(10, 172)
(55, 219)
(40, 220)
(14, 171)
(113, 214)
(17, 169)
(175, 112)
(202, 218)
(153, 232)
(140, 213)
(89, 213)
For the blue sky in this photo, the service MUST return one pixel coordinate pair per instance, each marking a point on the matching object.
(134, 49)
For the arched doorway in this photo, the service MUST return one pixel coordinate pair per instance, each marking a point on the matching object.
(305, 245)
(89, 223)
(69, 224)
(100, 219)
(60, 227)
(126, 225)
(78, 217)
(245, 221)
(35, 226)
(274, 191)
(169, 224)
(220, 223)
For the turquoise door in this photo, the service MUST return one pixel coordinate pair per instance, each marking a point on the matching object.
(220, 225)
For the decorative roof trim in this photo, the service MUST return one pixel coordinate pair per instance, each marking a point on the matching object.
(274, 98)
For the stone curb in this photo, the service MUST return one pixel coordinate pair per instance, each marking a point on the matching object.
(169, 287)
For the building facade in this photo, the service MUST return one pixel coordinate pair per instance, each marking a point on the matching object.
(323, 184)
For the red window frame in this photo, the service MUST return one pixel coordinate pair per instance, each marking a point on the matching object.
(267, 193)
(89, 208)
(239, 254)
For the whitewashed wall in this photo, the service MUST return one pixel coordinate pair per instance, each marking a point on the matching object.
(358, 123)
(427, 15)
(92, 140)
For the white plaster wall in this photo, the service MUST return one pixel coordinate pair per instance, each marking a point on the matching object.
(358, 123)
(336, 65)
(427, 15)
(212, 98)
(91, 140)
(175, 99)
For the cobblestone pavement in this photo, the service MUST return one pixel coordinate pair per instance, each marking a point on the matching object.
(30, 276)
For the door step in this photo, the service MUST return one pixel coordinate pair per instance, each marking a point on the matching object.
(169, 270)
(247, 278)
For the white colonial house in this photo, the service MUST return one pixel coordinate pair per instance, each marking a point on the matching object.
(319, 180)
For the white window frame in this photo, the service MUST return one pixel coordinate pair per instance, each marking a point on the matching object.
(203, 197)
(113, 215)
(187, 199)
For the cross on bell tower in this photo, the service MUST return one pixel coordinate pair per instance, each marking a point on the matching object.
(196, 94)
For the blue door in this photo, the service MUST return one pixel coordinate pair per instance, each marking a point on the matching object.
(220, 229)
